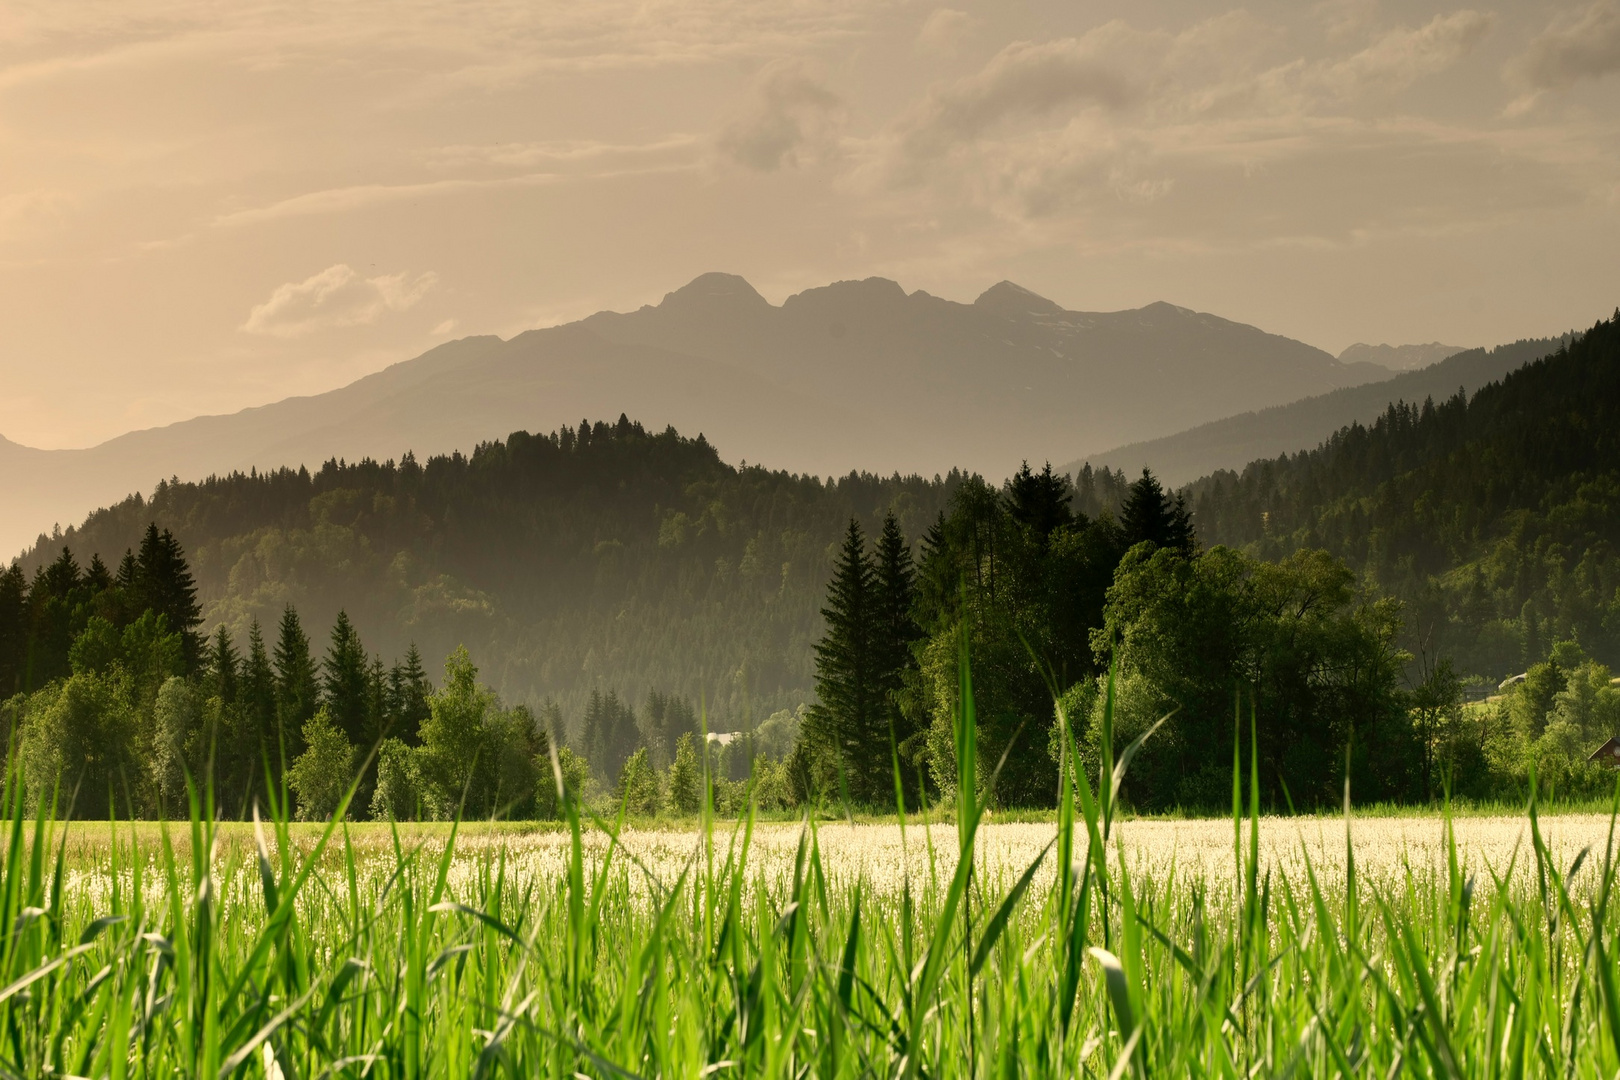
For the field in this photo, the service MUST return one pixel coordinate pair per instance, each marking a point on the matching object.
(1251, 945)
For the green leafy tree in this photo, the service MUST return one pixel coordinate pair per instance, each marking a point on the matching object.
(322, 773)
(395, 797)
(1319, 666)
(175, 745)
(97, 648)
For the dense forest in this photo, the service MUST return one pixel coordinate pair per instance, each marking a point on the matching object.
(597, 559)
(1495, 519)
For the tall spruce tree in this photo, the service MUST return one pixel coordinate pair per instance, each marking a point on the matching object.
(223, 667)
(344, 684)
(408, 683)
(895, 633)
(1039, 501)
(13, 630)
(847, 723)
(297, 692)
(1153, 515)
(163, 583)
(258, 697)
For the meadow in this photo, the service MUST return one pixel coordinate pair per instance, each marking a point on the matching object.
(1091, 944)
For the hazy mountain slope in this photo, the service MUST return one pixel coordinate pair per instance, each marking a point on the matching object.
(1237, 440)
(630, 560)
(855, 375)
(1399, 357)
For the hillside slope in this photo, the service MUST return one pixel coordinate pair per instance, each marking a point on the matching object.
(1496, 515)
(856, 375)
(623, 560)
(1234, 441)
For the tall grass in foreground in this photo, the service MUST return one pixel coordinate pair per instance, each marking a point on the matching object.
(295, 959)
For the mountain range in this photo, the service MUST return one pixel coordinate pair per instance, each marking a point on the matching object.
(852, 375)
(1399, 357)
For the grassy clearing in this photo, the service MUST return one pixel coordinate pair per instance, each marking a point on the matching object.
(1083, 945)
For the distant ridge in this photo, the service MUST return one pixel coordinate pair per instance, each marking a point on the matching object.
(1400, 357)
(855, 375)
(1235, 441)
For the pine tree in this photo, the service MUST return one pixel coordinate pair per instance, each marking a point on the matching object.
(344, 683)
(223, 667)
(1040, 501)
(163, 583)
(297, 694)
(381, 719)
(258, 697)
(845, 722)
(1150, 514)
(409, 686)
(13, 630)
(98, 579)
(895, 632)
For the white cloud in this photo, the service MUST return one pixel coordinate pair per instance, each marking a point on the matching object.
(1583, 44)
(794, 117)
(945, 31)
(1401, 57)
(337, 296)
(1027, 80)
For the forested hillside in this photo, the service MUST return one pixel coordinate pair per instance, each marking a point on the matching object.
(598, 558)
(1495, 517)
(1234, 441)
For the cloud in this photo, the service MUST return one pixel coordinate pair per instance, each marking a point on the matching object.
(794, 117)
(337, 296)
(1584, 44)
(1401, 57)
(1027, 80)
(945, 31)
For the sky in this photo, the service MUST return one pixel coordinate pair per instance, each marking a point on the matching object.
(208, 206)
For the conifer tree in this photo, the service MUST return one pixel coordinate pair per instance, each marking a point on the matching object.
(894, 633)
(297, 693)
(13, 630)
(258, 698)
(223, 667)
(1151, 514)
(344, 683)
(163, 583)
(1040, 501)
(410, 689)
(844, 724)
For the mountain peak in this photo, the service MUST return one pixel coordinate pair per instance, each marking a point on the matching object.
(708, 289)
(1007, 298)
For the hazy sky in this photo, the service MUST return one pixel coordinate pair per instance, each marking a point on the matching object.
(210, 205)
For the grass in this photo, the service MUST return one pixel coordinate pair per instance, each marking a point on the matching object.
(754, 949)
